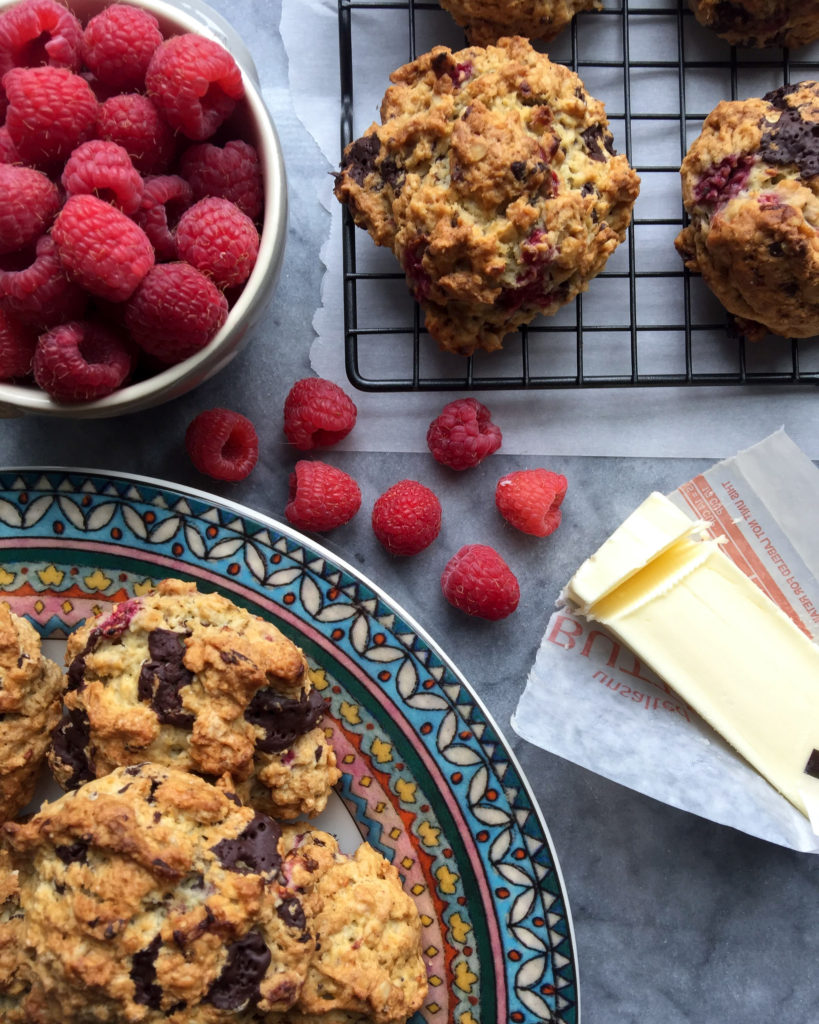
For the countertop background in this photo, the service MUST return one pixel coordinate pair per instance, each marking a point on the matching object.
(677, 920)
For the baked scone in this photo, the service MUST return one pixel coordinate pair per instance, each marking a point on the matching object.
(493, 179)
(31, 686)
(750, 183)
(190, 680)
(486, 21)
(758, 23)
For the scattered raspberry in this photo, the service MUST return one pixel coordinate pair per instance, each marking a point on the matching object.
(195, 82)
(217, 238)
(133, 122)
(407, 518)
(103, 169)
(50, 112)
(463, 434)
(41, 294)
(101, 248)
(321, 496)
(8, 151)
(118, 44)
(28, 203)
(17, 344)
(175, 312)
(164, 199)
(38, 32)
(223, 444)
(317, 413)
(80, 361)
(530, 500)
(233, 172)
(477, 581)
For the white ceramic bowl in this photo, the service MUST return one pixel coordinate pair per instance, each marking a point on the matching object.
(251, 121)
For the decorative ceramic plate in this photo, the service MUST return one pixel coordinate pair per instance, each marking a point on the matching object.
(428, 779)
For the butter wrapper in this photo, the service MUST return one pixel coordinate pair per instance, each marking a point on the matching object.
(589, 699)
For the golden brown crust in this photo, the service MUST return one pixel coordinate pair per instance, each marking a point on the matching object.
(759, 23)
(493, 180)
(486, 21)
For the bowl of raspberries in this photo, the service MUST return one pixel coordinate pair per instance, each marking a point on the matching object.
(143, 203)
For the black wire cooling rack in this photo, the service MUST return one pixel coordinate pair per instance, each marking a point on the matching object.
(645, 321)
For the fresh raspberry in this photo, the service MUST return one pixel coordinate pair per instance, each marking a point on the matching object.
(321, 496)
(8, 151)
(530, 500)
(80, 361)
(477, 581)
(41, 293)
(463, 434)
(407, 518)
(37, 32)
(101, 248)
(164, 199)
(223, 444)
(217, 238)
(232, 172)
(28, 202)
(195, 82)
(175, 312)
(317, 413)
(103, 169)
(118, 44)
(133, 122)
(17, 343)
(50, 112)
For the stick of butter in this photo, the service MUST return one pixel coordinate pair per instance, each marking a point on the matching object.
(683, 607)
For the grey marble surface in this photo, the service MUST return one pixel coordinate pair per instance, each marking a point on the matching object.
(677, 920)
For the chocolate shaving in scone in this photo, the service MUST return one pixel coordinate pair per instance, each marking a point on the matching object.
(69, 853)
(599, 142)
(143, 975)
(255, 850)
(359, 159)
(792, 140)
(69, 741)
(776, 97)
(812, 767)
(247, 961)
(284, 719)
(161, 678)
(76, 670)
(292, 913)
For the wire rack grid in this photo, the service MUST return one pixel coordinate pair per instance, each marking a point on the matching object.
(645, 321)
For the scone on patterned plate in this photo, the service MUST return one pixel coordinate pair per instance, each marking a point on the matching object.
(486, 21)
(31, 686)
(750, 183)
(759, 23)
(190, 680)
(493, 179)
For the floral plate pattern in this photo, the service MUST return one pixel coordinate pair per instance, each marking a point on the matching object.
(428, 779)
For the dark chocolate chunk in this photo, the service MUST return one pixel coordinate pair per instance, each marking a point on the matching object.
(69, 742)
(791, 140)
(232, 657)
(284, 719)
(359, 158)
(776, 97)
(518, 169)
(812, 767)
(238, 984)
(442, 63)
(76, 670)
(143, 975)
(599, 142)
(392, 174)
(163, 676)
(76, 851)
(255, 850)
(292, 913)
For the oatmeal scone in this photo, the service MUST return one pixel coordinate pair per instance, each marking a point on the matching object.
(31, 686)
(191, 680)
(493, 179)
(759, 23)
(486, 21)
(750, 184)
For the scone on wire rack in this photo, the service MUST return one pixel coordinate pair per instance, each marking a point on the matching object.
(191, 680)
(749, 184)
(486, 21)
(760, 23)
(31, 687)
(493, 179)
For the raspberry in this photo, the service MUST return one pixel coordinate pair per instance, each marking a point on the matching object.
(321, 496)
(8, 151)
(38, 32)
(478, 581)
(223, 444)
(28, 202)
(17, 344)
(407, 518)
(217, 238)
(164, 200)
(134, 123)
(50, 112)
(232, 172)
(103, 169)
(41, 294)
(317, 413)
(175, 312)
(195, 82)
(118, 44)
(463, 434)
(530, 500)
(79, 361)
(101, 248)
